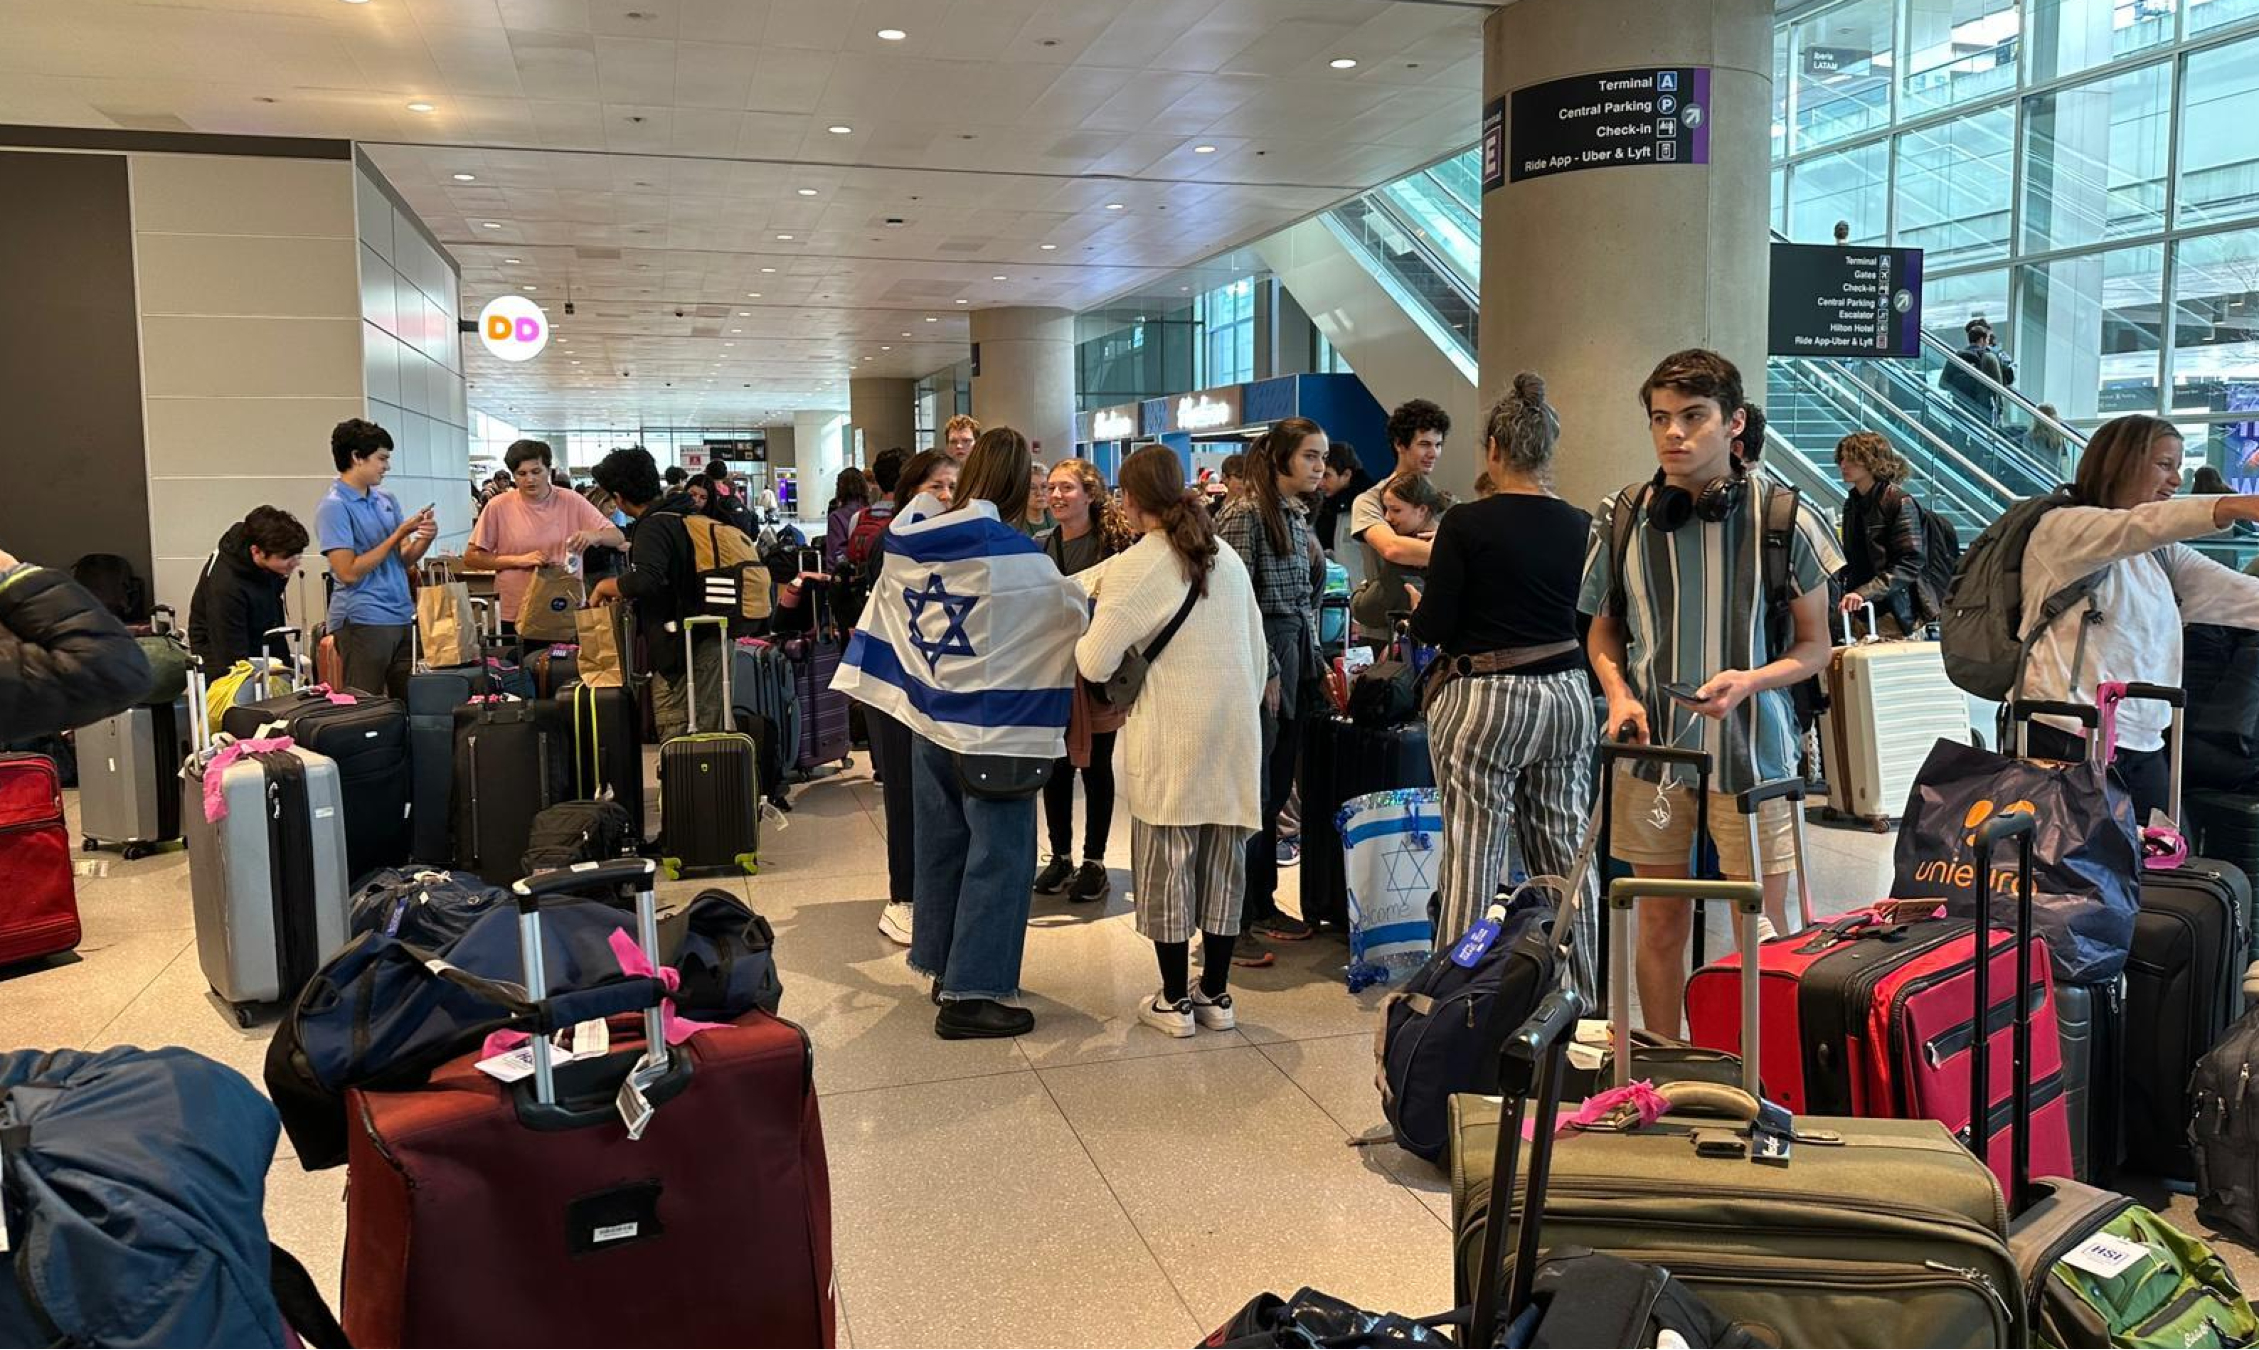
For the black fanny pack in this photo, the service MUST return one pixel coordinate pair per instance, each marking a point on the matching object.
(1001, 778)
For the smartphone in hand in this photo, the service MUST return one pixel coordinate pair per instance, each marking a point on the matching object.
(1683, 693)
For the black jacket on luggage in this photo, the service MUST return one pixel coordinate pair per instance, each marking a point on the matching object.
(65, 661)
(236, 603)
(1883, 551)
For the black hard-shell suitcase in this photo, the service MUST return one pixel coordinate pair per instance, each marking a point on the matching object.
(815, 656)
(709, 784)
(369, 740)
(2091, 1020)
(513, 760)
(433, 697)
(607, 747)
(1341, 760)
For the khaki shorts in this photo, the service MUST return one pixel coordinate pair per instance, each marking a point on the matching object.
(1637, 839)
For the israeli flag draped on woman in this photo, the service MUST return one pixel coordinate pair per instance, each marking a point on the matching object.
(969, 636)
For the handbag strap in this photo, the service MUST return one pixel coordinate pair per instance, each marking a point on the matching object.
(1160, 640)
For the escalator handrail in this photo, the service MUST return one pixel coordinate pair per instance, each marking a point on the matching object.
(1949, 352)
(1938, 446)
(1457, 346)
(2009, 449)
(1416, 233)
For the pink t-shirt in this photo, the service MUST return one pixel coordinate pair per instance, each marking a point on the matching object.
(511, 524)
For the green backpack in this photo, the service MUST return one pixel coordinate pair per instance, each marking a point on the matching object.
(2176, 1292)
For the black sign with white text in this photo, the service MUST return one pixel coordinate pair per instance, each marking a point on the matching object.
(1842, 300)
(1612, 119)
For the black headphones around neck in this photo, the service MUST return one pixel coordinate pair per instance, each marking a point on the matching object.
(1670, 507)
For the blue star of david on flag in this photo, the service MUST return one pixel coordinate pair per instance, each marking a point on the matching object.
(954, 641)
(1407, 867)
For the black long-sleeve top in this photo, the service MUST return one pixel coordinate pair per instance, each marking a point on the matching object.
(1504, 573)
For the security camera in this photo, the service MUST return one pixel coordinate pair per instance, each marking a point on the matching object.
(678, 314)
(568, 309)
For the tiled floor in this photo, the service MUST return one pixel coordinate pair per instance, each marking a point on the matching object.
(1093, 1183)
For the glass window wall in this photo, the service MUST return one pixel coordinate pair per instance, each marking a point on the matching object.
(2065, 37)
(2094, 160)
(1956, 185)
(2216, 323)
(1851, 185)
(2219, 162)
(1840, 70)
(1959, 51)
(2088, 332)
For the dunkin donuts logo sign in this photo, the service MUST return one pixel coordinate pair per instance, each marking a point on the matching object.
(513, 328)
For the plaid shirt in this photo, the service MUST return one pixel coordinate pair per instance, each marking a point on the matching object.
(1282, 580)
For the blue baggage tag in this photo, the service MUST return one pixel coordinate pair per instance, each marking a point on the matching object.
(1474, 942)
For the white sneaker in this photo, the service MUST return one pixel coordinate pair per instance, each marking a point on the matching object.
(1765, 930)
(1170, 1019)
(1213, 1013)
(894, 921)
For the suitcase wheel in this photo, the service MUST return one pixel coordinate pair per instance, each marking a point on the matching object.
(89, 846)
(672, 867)
(135, 852)
(749, 864)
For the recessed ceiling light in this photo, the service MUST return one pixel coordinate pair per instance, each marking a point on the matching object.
(745, 314)
(737, 330)
(518, 260)
(892, 34)
(888, 349)
(999, 278)
(784, 238)
(1114, 206)
(472, 178)
(420, 106)
(529, 288)
(754, 295)
(1047, 247)
(931, 319)
(810, 192)
(772, 269)
(841, 129)
(491, 224)
(1343, 63)
(905, 335)
(576, 362)
(1203, 149)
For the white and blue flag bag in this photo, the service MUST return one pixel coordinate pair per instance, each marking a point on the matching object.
(1392, 845)
(969, 635)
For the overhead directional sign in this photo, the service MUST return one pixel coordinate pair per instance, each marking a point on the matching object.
(1840, 300)
(1612, 119)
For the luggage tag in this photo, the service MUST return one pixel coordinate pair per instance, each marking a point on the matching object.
(1468, 951)
(2105, 1257)
(590, 1039)
(1772, 1136)
(635, 1108)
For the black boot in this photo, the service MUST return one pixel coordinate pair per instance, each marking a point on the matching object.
(968, 1019)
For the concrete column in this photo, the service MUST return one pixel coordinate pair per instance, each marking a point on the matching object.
(820, 447)
(883, 412)
(1589, 277)
(1026, 376)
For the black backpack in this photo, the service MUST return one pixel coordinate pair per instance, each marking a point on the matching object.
(576, 832)
(1941, 553)
(2223, 1132)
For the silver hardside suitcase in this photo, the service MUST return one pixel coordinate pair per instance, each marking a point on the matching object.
(267, 881)
(128, 766)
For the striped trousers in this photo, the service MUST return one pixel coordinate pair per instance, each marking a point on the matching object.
(1187, 879)
(1513, 764)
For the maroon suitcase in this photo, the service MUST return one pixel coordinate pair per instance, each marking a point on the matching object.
(479, 1213)
(39, 905)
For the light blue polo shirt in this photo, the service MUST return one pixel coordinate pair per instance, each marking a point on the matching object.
(361, 521)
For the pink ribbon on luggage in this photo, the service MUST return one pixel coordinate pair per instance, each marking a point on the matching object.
(215, 801)
(2162, 847)
(632, 962)
(1640, 1098)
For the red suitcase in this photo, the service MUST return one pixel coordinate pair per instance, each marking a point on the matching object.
(39, 906)
(479, 1213)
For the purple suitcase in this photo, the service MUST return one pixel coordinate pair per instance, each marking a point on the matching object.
(824, 735)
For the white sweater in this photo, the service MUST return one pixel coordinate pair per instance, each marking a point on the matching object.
(1191, 752)
(2143, 603)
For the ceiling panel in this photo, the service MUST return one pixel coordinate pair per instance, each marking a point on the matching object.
(644, 155)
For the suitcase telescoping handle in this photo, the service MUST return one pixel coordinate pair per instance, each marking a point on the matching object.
(2177, 700)
(690, 627)
(1531, 1057)
(2006, 825)
(581, 879)
(1843, 624)
(1793, 791)
(199, 712)
(2021, 712)
(1611, 751)
(1748, 901)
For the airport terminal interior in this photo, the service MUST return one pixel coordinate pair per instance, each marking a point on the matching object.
(292, 285)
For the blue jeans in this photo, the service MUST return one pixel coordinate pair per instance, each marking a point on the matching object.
(975, 880)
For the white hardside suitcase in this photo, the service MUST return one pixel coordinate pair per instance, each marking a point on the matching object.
(1889, 703)
(267, 882)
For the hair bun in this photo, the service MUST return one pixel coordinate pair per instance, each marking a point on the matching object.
(1529, 387)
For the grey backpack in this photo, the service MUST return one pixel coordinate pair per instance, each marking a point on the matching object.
(1984, 632)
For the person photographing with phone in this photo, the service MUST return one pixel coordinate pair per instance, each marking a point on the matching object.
(370, 545)
(1680, 573)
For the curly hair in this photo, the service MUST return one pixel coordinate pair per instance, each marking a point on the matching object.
(1871, 452)
(1413, 417)
(1114, 532)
